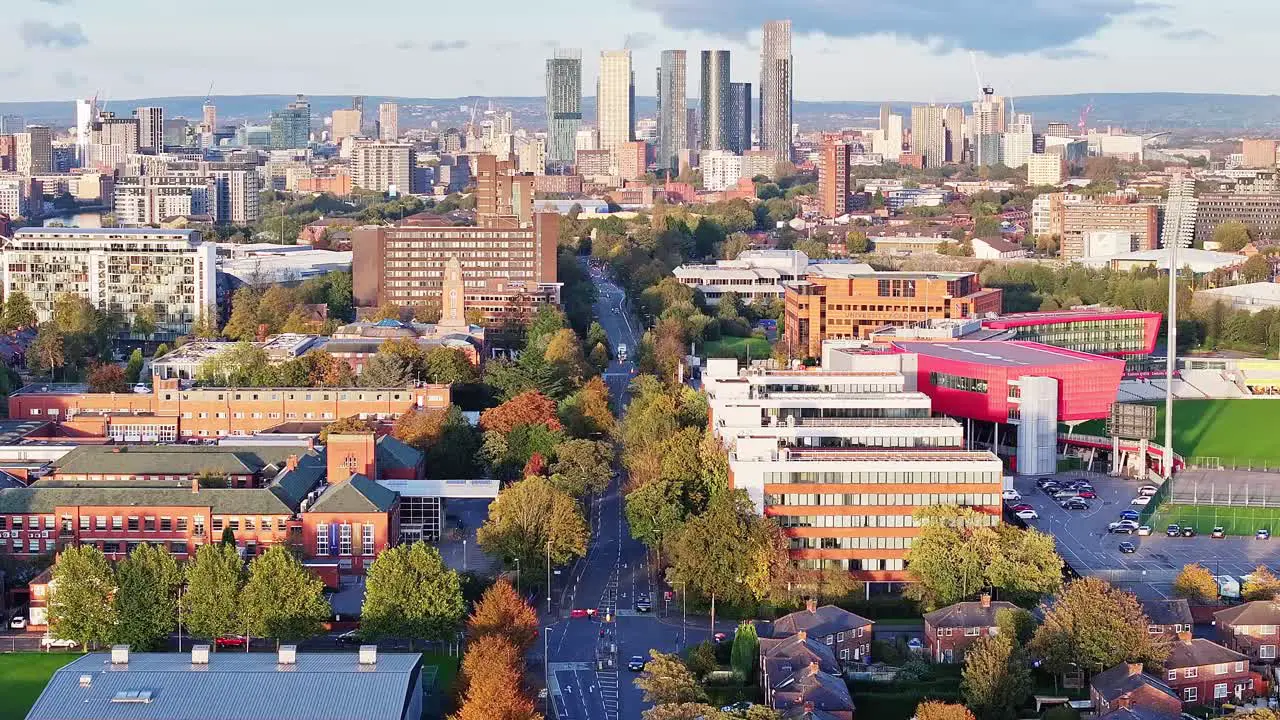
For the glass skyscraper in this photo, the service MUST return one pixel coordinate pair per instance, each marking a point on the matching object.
(291, 127)
(673, 106)
(564, 106)
(715, 100)
(776, 88)
(739, 117)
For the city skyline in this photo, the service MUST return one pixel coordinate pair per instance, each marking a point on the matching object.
(69, 48)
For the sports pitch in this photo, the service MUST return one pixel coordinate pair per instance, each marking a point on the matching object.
(1236, 431)
(1204, 518)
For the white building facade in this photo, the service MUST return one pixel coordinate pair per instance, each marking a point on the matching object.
(754, 275)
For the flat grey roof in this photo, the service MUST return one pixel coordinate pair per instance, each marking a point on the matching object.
(101, 231)
(233, 686)
(998, 352)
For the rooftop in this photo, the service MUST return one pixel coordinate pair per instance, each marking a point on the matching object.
(172, 459)
(241, 686)
(1005, 353)
(852, 270)
(1168, 612)
(1126, 678)
(1066, 316)
(1200, 261)
(13, 431)
(848, 455)
(968, 614)
(1254, 292)
(818, 621)
(1194, 652)
(103, 233)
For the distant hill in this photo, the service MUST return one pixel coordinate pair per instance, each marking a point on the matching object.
(1135, 111)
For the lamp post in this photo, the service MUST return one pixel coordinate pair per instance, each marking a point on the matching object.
(546, 672)
(464, 556)
(684, 613)
(517, 576)
(548, 577)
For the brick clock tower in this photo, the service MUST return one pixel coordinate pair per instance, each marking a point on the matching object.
(453, 304)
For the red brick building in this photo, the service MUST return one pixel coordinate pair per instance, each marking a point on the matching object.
(1251, 628)
(847, 635)
(1127, 687)
(949, 631)
(1203, 672)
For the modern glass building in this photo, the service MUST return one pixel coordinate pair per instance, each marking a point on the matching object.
(776, 88)
(673, 108)
(739, 117)
(291, 127)
(715, 100)
(564, 105)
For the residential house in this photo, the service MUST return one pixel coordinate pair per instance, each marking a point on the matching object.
(1139, 713)
(1203, 672)
(949, 631)
(1251, 628)
(1168, 617)
(809, 687)
(1126, 686)
(797, 670)
(848, 635)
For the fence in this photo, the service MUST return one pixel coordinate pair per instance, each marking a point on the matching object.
(1239, 502)
(29, 643)
(1201, 462)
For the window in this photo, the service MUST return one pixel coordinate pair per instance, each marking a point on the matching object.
(844, 654)
(133, 523)
(948, 632)
(182, 524)
(197, 524)
(1190, 672)
(1173, 674)
(100, 522)
(1220, 669)
(217, 524)
(1268, 630)
(1154, 629)
(84, 522)
(830, 638)
(366, 542)
(117, 522)
(148, 524)
(1220, 689)
(839, 637)
(322, 538)
(1267, 652)
(957, 382)
(859, 632)
(166, 524)
(939, 632)
(1240, 666)
(971, 632)
(1189, 694)
(344, 539)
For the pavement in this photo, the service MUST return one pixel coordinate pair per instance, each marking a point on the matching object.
(1083, 541)
(586, 658)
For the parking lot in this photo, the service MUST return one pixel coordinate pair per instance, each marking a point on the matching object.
(1083, 540)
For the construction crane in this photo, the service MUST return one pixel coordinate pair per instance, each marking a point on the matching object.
(1083, 126)
(985, 93)
(208, 96)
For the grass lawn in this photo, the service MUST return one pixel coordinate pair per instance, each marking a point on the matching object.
(1227, 429)
(1244, 521)
(23, 676)
(446, 671)
(736, 347)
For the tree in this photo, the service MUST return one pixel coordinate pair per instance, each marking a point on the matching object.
(492, 669)
(937, 710)
(385, 370)
(1093, 626)
(702, 659)
(655, 510)
(1195, 583)
(528, 517)
(564, 353)
(746, 646)
(18, 312)
(81, 607)
(666, 680)
(455, 455)
(996, 679)
(1016, 623)
(144, 321)
(146, 601)
(47, 352)
(386, 311)
(243, 323)
(275, 305)
(856, 243)
(450, 366)
(161, 350)
(1256, 269)
(718, 553)
(282, 599)
(1232, 236)
(582, 466)
(240, 365)
(205, 326)
(1261, 585)
(211, 603)
(351, 424)
(409, 591)
(228, 535)
(420, 428)
(107, 378)
(527, 408)
(133, 371)
(587, 411)
(501, 611)
(699, 711)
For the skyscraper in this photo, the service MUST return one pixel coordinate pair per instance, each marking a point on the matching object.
(616, 99)
(388, 121)
(11, 124)
(150, 129)
(989, 120)
(34, 150)
(953, 118)
(715, 99)
(564, 105)
(84, 119)
(673, 105)
(291, 126)
(210, 115)
(929, 134)
(833, 177)
(776, 82)
(739, 117)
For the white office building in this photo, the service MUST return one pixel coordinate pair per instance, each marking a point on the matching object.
(118, 270)
(151, 199)
(721, 169)
(754, 275)
(616, 99)
(14, 196)
(382, 167)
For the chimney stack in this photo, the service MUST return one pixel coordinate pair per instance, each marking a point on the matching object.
(1135, 669)
(195, 484)
(1185, 636)
(985, 599)
(119, 654)
(291, 463)
(811, 605)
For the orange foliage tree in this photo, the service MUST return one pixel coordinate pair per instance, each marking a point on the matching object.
(502, 612)
(491, 669)
(528, 408)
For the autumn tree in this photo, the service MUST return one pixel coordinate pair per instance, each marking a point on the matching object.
(107, 378)
(527, 408)
(996, 679)
(146, 599)
(1261, 584)
(587, 412)
(582, 466)
(528, 517)
(211, 603)
(1093, 626)
(667, 680)
(420, 428)
(347, 425)
(386, 311)
(1195, 582)
(81, 607)
(564, 352)
(501, 611)
(1232, 236)
(492, 669)
(243, 323)
(937, 710)
(47, 352)
(18, 312)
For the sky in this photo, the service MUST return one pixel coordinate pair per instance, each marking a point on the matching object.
(844, 49)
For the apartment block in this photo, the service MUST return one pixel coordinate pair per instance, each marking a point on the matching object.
(632, 160)
(107, 129)
(833, 177)
(14, 196)
(1046, 169)
(151, 199)
(33, 150)
(721, 170)
(121, 270)
(1259, 153)
(383, 167)
(839, 301)
(1141, 221)
(1258, 210)
(345, 124)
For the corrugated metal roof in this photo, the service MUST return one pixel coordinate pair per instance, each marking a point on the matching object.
(233, 686)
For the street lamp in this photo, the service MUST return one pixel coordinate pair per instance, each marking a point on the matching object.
(464, 556)
(684, 613)
(548, 576)
(517, 576)
(546, 672)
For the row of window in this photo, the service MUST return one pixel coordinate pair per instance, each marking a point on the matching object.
(852, 564)
(881, 477)
(858, 521)
(1218, 669)
(850, 543)
(325, 544)
(137, 523)
(957, 382)
(913, 499)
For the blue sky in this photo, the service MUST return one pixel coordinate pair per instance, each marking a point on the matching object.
(844, 49)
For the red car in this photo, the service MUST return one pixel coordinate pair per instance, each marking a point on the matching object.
(231, 641)
(1087, 494)
(1020, 508)
(577, 613)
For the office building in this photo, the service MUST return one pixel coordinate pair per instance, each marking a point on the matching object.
(929, 134)
(564, 107)
(1180, 211)
(1096, 330)
(344, 124)
(12, 124)
(616, 99)
(388, 122)
(118, 270)
(150, 129)
(740, 117)
(887, 142)
(1141, 221)
(8, 153)
(673, 106)
(833, 177)
(848, 302)
(107, 129)
(1259, 153)
(1060, 129)
(152, 199)
(1258, 210)
(33, 150)
(1046, 169)
(586, 139)
(632, 160)
(291, 126)
(715, 100)
(721, 169)
(383, 167)
(756, 275)
(776, 86)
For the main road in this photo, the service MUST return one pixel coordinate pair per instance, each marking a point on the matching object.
(586, 660)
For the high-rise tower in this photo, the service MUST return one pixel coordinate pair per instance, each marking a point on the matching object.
(673, 106)
(776, 80)
(616, 99)
(564, 105)
(715, 100)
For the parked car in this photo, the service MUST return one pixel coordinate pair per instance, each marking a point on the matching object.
(636, 663)
(1027, 515)
(1144, 529)
(578, 613)
(1064, 495)
(1075, 505)
(1051, 488)
(1124, 530)
(1128, 548)
(350, 637)
(1188, 532)
(1044, 481)
(719, 637)
(643, 603)
(1129, 515)
(1218, 532)
(1173, 530)
(52, 642)
(1148, 490)
(1263, 534)
(1020, 507)
(1141, 500)
(1087, 494)
(230, 641)
(1126, 526)
(1011, 495)
(19, 622)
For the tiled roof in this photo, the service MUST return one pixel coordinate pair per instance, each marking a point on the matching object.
(173, 459)
(1141, 712)
(261, 501)
(797, 651)
(819, 622)
(811, 685)
(1168, 612)
(356, 494)
(968, 614)
(1257, 612)
(395, 454)
(1198, 651)
(1124, 679)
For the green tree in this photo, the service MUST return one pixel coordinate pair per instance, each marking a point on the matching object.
(144, 321)
(1093, 626)
(133, 371)
(1016, 623)
(701, 659)
(81, 607)
(746, 646)
(211, 603)
(996, 679)
(18, 312)
(239, 365)
(243, 323)
(1195, 582)
(530, 516)
(161, 350)
(47, 352)
(856, 243)
(386, 371)
(666, 680)
(450, 366)
(655, 510)
(1232, 235)
(582, 466)
(146, 601)
(282, 599)
(718, 553)
(409, 591)
(1256, 269)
